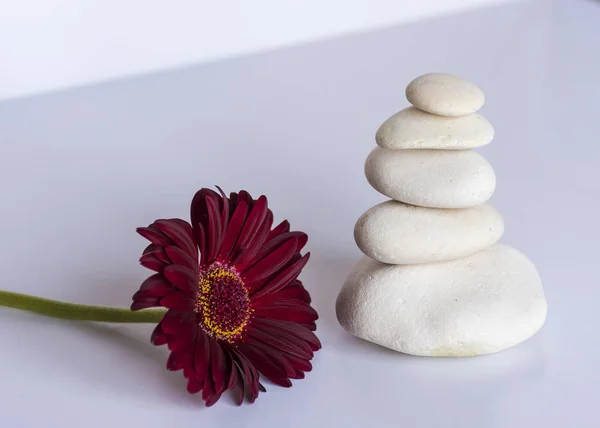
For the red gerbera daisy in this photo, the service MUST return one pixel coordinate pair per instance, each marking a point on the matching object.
(235, 305)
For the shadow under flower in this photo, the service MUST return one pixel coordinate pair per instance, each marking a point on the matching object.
(150, 362)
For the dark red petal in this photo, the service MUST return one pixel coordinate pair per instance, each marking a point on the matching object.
(183, 278)
(299, 293)
(218, 365)
(154, 235)
(277, 356)
(289, 327)
(224, 208)
(198, 212)
(209, 394)
(266, 365)
(307, 348)
(138, 305)
(183, 339)
(233, 375)
(151, 262)
(312, 326)
(250, 375)
(236, 382)
(189, 372)
(204, 205)
(178, 301)
(282, 227)
(184, 225)
(213, 229)
(173, 321)
(154, 293)
(195, 385)
(251, 226)
(160, 254)
(178, 360)
(299, 363)
(297, 285)
(266, 297)
(141, 296)
(158, 337)
(279, 343)
(274, 243)
(202, 244)
(202, 353)
(178, 343)
(154, 281)
(298, 374)
(283, 278)
(178, 234)
(233, 202)
(149, 249)
(248, 257)
(209, 388)
(233, 231)
(212, 399)
(287, 310)
(245, 197)
(180, 257)
(156, 285)
(271, 263)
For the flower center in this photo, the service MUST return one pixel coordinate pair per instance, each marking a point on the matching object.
(222, 303)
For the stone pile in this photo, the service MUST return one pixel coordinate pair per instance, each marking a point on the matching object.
(434, 281)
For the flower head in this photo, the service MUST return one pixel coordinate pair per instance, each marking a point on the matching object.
(235, 305)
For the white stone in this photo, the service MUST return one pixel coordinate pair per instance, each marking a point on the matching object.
(476, 305)
(412, 128)
(444, 94)
(431, 178)
(393, 232)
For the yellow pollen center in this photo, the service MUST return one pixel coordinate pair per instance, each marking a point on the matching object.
(222, 303)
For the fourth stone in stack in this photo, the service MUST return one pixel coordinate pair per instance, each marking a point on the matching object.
(433, 280)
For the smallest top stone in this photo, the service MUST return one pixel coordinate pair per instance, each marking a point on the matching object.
(444, 95)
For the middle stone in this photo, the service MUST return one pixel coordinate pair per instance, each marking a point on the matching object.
(431, 178)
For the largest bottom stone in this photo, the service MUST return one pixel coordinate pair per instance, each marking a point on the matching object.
(483, 303)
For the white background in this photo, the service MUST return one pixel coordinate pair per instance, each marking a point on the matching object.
(51, 44)
(81, 169)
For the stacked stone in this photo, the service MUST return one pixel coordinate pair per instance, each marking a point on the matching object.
(434, 282)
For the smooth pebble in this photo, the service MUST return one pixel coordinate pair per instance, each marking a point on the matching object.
(393, 232)
(476, 305)
(431, 178)
(412, 128)
(444, 94)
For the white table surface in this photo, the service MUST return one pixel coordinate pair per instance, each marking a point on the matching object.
(81, 169)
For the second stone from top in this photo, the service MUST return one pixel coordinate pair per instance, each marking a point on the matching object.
(444, 94)
(412, 128)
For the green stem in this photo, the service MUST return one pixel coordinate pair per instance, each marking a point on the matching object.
(72, 311)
